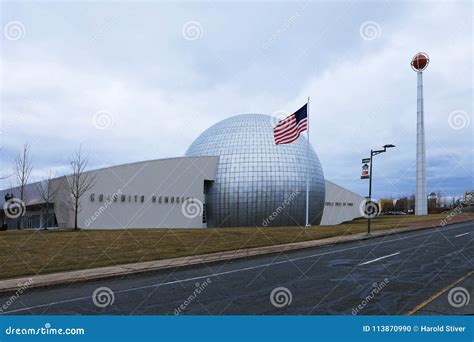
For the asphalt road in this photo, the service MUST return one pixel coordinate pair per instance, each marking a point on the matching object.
(386, 275)
(457, 293)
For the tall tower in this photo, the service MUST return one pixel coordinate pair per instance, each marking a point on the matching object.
(418, 64)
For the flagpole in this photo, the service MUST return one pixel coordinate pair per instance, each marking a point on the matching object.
(307, 166)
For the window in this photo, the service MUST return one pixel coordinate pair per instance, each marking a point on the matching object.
(122, 198)
(338, 204)
(92, 197)
(177, 200)
(136, 198)
(142, 199)
(153, 199)
(166, 199)
(172, 199)
(101, 197)
(329, 204)
(350, 204)
(159, 199)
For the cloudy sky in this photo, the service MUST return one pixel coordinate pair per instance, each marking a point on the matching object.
(136, 81)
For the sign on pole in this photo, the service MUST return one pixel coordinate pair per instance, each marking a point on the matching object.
(365, 168)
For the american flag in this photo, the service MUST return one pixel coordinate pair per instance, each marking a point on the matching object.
(290, 128)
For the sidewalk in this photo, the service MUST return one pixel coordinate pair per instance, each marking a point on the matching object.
(52, 279)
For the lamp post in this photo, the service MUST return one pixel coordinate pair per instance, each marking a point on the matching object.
(369, 206)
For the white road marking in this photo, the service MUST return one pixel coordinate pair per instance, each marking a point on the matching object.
(459, 235)
(232, 271)
(374, 260)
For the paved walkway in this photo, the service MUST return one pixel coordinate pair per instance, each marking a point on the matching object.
(45, 280)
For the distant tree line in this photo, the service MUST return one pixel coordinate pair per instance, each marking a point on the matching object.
(436, 201)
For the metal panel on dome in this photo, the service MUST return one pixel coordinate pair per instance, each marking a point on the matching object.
(258, 183)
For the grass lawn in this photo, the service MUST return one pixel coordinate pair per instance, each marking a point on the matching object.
(36, 252)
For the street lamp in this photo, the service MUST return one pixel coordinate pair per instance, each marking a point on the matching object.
(369, 205)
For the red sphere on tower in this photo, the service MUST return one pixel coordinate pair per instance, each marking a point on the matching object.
(420, 61)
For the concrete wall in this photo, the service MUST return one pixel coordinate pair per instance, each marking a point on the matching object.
(134, 186)
(340, 205)
(166, 178)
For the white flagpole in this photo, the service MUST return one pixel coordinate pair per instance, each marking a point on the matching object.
(307, 166)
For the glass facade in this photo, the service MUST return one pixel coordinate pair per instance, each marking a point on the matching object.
(258, 183)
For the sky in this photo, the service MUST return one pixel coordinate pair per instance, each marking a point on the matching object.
(132, 81)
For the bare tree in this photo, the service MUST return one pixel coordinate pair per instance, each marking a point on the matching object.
(79, 182)
(23, 167)
(47, 191)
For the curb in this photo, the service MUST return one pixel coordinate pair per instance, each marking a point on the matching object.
(79, 276)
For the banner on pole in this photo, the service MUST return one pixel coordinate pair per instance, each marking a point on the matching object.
(365, 168)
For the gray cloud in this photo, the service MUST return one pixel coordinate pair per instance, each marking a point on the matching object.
(160, 90)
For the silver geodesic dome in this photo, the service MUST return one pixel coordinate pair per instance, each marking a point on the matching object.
(258, 183)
